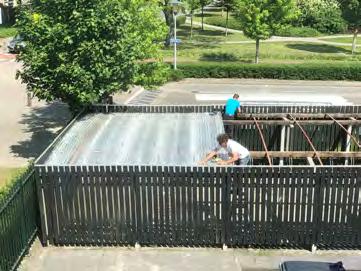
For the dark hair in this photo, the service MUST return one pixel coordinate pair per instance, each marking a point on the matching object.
(222, 138)
(235, 96)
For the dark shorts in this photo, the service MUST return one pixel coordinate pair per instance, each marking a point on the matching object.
(243, 161)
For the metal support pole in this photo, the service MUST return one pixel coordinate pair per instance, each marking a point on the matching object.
(307, 139)
(282, 143)
(263, 141)
(175, 39)
(348, 142)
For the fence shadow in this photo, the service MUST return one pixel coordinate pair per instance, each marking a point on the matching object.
(43, 124)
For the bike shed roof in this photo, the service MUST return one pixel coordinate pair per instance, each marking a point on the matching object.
(135, 139)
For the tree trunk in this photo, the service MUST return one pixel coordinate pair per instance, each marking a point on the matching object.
(227, 18)
(257, 51)
(202, 17)
(168, 14)
(354, 41)
(191, 24)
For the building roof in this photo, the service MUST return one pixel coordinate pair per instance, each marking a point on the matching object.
(137, 139)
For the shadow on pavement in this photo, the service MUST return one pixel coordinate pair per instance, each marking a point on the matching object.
(43, 124)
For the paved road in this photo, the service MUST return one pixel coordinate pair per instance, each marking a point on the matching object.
(25, 131)
(174, 259)
(251, 91)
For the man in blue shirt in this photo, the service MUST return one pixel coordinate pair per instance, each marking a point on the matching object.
(232, 107)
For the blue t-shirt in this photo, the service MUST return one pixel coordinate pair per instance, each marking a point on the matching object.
(231, 107)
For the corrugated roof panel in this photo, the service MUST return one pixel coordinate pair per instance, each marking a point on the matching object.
(137, 139)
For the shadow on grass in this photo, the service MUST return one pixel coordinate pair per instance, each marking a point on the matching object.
(318, 48)
(43, 124)
(219, 56)
(206, 14)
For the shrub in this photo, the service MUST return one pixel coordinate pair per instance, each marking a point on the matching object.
(323, 15)
(309, 71)
(219, 56)
(14, 183)
(293, 31)
(181, 19)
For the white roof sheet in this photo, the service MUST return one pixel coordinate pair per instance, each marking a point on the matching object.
(137, 139)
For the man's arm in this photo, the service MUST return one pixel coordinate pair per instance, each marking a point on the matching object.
(234, 158)
(207, 158)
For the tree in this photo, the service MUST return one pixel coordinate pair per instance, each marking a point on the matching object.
(262, 18)
(351, 12)
(192, 5)
(229, 5)
(81, 50)
(203, 4)
(323, 15)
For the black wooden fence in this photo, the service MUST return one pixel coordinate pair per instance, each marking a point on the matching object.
(201, 206)
(19, 220)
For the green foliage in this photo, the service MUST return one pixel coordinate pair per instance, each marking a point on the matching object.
(351, 11)
(7, 31)
(181, 20)
(153, 74)
(262, 18)
(78, 51)
(192, 5)
(307, 71)
(293, 31)
(15, 182)
(323, 15)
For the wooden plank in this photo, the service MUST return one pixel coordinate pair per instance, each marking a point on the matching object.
(304, 154)
(291, 122)
(298, 115)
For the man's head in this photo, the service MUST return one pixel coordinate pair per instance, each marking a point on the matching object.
(235, 96)
(223, 140)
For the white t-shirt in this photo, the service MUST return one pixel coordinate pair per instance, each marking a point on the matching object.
(235, 147)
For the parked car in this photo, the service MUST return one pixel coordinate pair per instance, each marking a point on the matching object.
(311, 266)
(16, 45)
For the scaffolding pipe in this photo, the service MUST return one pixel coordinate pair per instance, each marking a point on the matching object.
(263, 141)
(346, 130)
(308, 139)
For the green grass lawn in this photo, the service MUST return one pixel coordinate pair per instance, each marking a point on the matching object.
(207, 35)
(343, 40)
(209, 45)
(7, 173)
(7, 31)
(216, 18)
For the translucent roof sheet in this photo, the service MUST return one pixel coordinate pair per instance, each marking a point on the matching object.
(137, 139)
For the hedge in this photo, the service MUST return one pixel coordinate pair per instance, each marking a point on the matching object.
(309, 71)
(292, 31)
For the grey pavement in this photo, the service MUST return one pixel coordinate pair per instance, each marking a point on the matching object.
(251, 91)
(174, 259)
(26, 131)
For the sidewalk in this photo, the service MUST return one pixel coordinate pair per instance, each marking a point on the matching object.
(175, 259)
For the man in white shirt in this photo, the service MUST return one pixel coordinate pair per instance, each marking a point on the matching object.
(230, 152)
